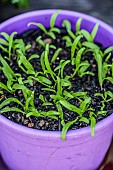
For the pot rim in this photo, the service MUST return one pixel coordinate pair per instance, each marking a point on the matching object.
(54, 134)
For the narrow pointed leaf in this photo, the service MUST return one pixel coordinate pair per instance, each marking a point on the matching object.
(66, 126)
(53, 18)
(94, 31)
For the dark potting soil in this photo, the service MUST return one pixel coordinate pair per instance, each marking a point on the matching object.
(87, 83)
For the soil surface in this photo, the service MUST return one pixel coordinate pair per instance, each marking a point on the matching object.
(87, 83)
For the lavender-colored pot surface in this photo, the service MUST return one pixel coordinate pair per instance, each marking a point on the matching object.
(23, 148)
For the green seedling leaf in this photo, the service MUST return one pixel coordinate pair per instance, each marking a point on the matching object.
(68, 41)
(8, 101)
(40, 41)
(52, 113)
(109, 79)
(52, 35)
(102, 112)
(59, 108)
(1, 92)
(90, 45)
(78, 56)
(108, 50)
(66, 24)
(3, 48)
(19, 45)
(22, 87)
(98, 58)
(8, 72)
(107, 96)
(108, 93)
(47, 63)
(3, 86)
(11, 109)
(71, 34)
(48, 89)
(69, 106)
(94, 31)
(108, 57)
(66, 83)
(83, 67)
(53, 18)
(10, 83)
(58, 67)
(57, 30)
(92, 125)
(41, 97)
(30, 82)
(66, 126)
(33, 56)
(41, 26)
(77, 60)
(52, 46)
(34, 113)
(59, 87)
(56, 54)
(11, 42)
(84, 105)
(29, 101)
(3, 42)
(84, 119)
(5, 35)
(79, 94)
(42, 62)
(87, 72)
(44, 80)
(78, 24)
(56, 97)
(106, 69)
(19, 87)
(68, 95)
(87, 35)
(74, 45)
(23, 61)
(27, 47)
(63, 66)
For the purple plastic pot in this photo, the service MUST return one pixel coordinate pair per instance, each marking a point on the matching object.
(23, 148)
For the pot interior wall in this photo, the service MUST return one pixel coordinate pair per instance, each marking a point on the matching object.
(19, 23)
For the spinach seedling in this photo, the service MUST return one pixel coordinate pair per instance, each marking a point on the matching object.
(52, 28)
(81, 66)
(106, 97)
(19, 45)
(45, 103)
(90, 36)
(92, 122)
(67, 25)
(7, 43)
(66, 126)
(103, 68)
(8, 73)
(4, 105)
